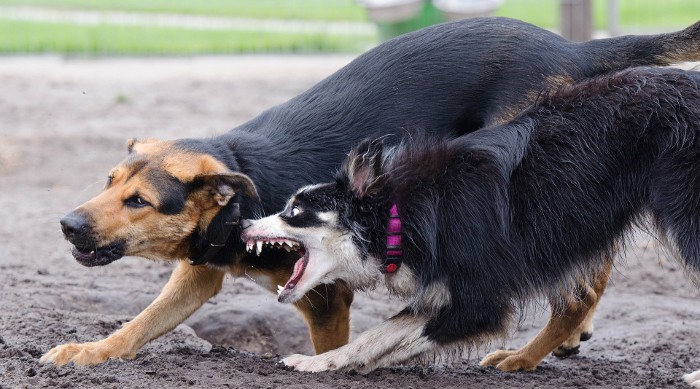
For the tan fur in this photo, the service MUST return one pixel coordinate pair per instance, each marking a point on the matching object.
(154, 235)
(560, 328)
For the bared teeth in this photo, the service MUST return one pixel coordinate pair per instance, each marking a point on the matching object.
(256, 246)
(280, 288)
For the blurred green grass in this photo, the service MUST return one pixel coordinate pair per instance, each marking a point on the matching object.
(330, 10)
(652, 15)
(33, 36)
(22, 37)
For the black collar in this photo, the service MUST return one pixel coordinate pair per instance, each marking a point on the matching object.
(219, 241)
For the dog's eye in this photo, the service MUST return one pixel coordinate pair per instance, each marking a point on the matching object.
(136, 201)
(294, 211)
(110, 179)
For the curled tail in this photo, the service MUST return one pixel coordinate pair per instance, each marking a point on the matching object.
(643, 50)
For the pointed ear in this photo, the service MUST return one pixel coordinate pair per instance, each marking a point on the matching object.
(364, 168)
(130, 144)
(225, 185)
(134, 145)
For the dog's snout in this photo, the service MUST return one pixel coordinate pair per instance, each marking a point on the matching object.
(74, 225)
(245, 223)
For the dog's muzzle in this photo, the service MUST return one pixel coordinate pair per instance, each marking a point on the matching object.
(76, 229)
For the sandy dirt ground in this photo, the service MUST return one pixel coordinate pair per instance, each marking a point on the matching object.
(64, 123)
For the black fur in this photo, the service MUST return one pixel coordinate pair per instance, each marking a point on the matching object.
(451, 78)
(172, 192)
(526, 209)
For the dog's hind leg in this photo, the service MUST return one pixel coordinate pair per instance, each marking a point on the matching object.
(561, 326)
(326, 310)
(188, 288)
(584, 331)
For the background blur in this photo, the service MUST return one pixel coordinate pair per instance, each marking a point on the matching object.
(291, 26)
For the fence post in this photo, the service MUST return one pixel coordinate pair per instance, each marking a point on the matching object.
(577, 20)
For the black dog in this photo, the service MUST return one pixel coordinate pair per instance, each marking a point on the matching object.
(468, 229)
(181, 199)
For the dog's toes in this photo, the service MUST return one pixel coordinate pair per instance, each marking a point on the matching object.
(565, 352)
(312, 364)
(585, 336)
(693, 379)
(517, 362)
(92, 353)
(496, 357)
(332, 360)
(61, 355)
(50, 357)
(509, 360)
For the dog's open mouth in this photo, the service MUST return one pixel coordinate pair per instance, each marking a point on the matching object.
(259, 244)
(100, 256)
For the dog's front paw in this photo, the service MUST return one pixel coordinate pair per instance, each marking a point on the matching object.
(90, 353)
(312, 364)
(509, 360)
(693, 379)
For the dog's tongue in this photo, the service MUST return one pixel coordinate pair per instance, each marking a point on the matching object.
(299, 268)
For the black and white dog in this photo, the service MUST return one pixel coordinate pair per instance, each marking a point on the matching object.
(469, 229)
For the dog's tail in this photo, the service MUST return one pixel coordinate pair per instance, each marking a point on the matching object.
(618, 53)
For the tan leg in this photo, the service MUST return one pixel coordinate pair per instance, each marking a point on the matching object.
(188, 288)
(584, 331)
(326, 310)
(560, 327)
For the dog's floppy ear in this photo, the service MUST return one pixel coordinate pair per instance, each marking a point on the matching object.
(363, 167)
(225, 185)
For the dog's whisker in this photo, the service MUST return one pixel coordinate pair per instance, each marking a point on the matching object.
(310, 303)
(320, 295)
(245, 273)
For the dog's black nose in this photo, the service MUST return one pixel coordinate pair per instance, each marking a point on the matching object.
(245, 223)
(74, 225)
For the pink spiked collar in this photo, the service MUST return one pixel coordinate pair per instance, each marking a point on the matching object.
(393, 242)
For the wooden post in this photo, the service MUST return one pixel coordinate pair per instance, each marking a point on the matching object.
(577, 20)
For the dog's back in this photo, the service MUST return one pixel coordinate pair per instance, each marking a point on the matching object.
(460, 76)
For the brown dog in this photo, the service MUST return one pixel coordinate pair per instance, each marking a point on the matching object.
(139, 213)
